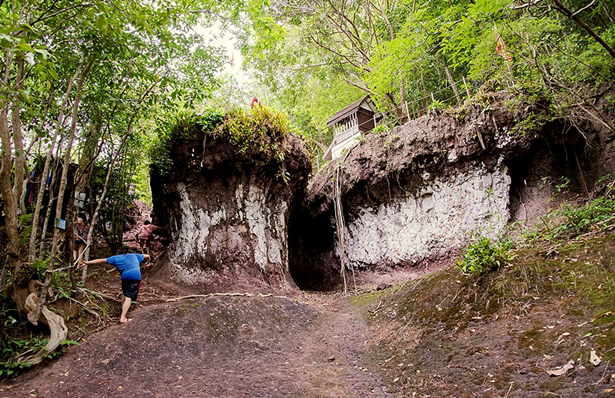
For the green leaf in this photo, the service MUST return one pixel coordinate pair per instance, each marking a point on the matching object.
(102, 25)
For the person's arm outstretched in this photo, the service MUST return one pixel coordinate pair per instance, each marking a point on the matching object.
(92, 262)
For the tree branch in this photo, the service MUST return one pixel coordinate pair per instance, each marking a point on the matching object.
(573, 16)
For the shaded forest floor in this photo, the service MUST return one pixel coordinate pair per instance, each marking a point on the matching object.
(441, 335)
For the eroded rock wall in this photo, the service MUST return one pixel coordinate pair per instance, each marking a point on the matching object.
(226, 217)
(439, 216)
(418, 192)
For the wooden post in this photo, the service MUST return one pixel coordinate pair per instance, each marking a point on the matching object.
(466, 86)
(407, 111)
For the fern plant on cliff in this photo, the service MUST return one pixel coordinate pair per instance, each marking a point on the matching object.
(259, 135)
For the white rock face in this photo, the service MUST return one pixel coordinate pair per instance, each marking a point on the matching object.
(442, 215)
(246, 224)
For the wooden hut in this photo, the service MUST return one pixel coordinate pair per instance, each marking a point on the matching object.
(349, 124)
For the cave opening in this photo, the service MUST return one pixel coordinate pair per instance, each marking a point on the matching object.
(311, 260)
(553, 170)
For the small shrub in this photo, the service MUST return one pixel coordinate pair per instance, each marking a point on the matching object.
(483, 256)
(259, 136)
(25, 221)
(595, 214)
(10, 367)
(183, 125)
(381, 129)
(436, 104)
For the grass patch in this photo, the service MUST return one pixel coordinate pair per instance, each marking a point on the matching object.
(367, 298)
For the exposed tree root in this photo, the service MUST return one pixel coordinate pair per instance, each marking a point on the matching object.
(58, 330)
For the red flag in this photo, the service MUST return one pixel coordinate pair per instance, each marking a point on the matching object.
(500, 47)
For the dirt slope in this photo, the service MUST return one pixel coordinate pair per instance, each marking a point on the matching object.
(216, 347)
(441, 335)
(447, 335)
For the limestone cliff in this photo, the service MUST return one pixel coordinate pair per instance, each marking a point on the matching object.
(227, 213)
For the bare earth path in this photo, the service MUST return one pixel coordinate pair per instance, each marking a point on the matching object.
(217, 347)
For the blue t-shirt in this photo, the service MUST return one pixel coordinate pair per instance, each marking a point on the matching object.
(129, 265)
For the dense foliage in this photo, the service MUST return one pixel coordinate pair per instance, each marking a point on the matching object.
(83, 85)
(315, 57)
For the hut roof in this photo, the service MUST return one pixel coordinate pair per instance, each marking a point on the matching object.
(349, 110)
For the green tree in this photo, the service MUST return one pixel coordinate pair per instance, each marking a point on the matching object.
(76, 79)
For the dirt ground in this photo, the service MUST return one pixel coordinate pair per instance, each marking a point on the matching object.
(437, 335)
(447, 335)
(225, 346)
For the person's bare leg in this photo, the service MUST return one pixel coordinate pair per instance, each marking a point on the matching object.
(80, 249)
(125, 306)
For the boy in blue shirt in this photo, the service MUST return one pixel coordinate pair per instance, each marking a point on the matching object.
(129, 266)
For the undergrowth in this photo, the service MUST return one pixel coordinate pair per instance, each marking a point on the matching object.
(15, 349)
(258, 134)
(569, 221)
(19, 339)
(483, 256)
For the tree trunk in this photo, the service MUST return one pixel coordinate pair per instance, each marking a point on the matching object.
(575, 17)
(86, 254)
(8, 197)
(6, 187)
(41, 191)
(608, 13)
(19, 161)
(52, 189)
(56, 234)
(399, 113)
(451, 81)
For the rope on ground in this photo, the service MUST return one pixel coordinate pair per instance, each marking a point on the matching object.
(192, 296)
